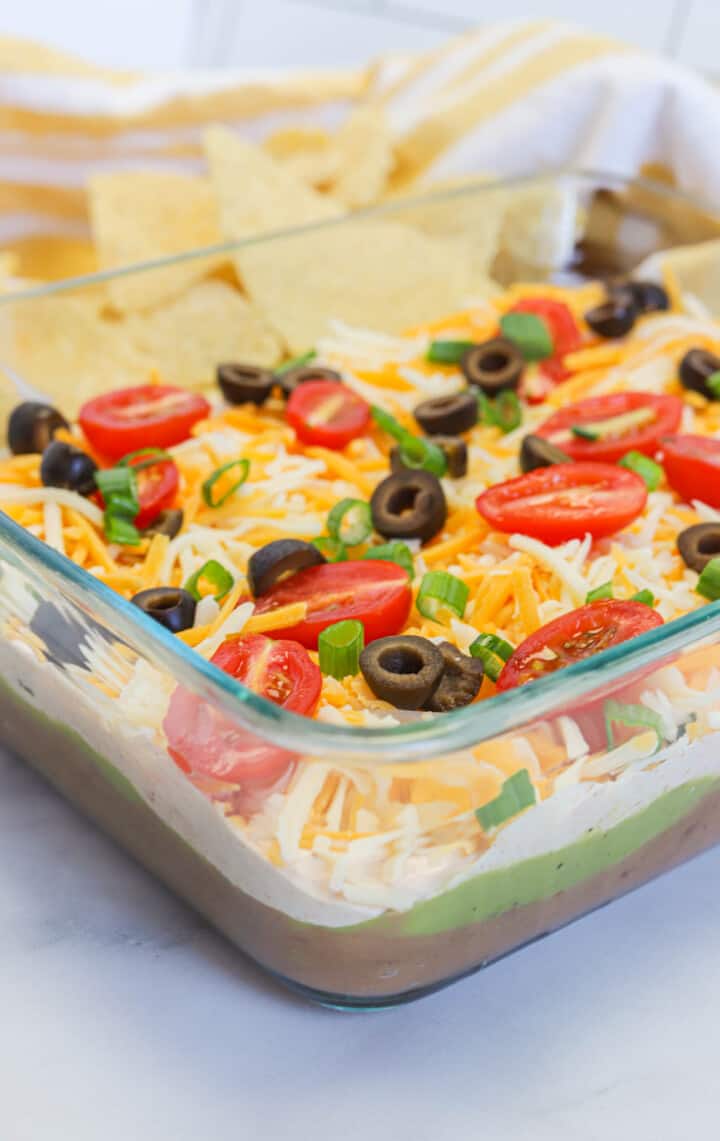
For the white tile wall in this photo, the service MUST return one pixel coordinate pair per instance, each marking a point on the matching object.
(175, 33)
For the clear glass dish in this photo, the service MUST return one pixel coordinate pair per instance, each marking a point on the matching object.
(374, 920)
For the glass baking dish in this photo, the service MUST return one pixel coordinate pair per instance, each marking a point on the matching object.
(373, 921)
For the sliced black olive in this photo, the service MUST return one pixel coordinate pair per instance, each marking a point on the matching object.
(454, 448)
(699, 544)
(647, 296)
(460, 682)
(171, 606)
(166, 523)
(302, 373)
(536, 451)
(32, 426)
(614, 318)
(696, 368)
(277, 559)
(243, 383)
(404, 670)
(62, 465)
(493, 366)
(448, 415)
(409, 505)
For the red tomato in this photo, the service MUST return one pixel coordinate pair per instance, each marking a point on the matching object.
(535, 387)
(575, 636)
(692, 467)
(204, 743)
(374, 592)
(565, 501)
(327, 413)
(663, 416)
(555, 369)
(151, 415)
(566, 336)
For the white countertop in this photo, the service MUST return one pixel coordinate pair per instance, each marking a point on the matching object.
(124, 1017)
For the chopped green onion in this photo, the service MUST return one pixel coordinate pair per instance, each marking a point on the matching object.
(447, 352)
(417, 453)
(643, 466)
(633, 717)
(395, 552)
(493, 652)
(441, 595)
(584, 433)
(517, 793)
(118, 481)
(296, 362)
(350, 521)
(645, 596)
(388, 423)
(708, 584)
(119, 529)
(333, 550)
(243, 467)
(214, 574)
(603, 591)
(339, 648)
(713, 383)
(153, 456)
(504, 412)
(530, 333)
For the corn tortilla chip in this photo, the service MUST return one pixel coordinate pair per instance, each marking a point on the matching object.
(138, 215)
(363, 147)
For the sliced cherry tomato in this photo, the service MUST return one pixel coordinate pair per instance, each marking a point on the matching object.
(624, 422)
(374, 592)
(565, 501)
(692, 467)
(575, 636)
(206, 744)
(326, 413)
(566, 336)
(157, 488)
(151, 415)
(555, 369)
(535, 387)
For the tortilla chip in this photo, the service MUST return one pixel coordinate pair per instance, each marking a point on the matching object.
(696, 270)
(140, 215)
(363, 147)
(8, 264)
(255, 192)
(53, 257)
(186, 339)
(368, 273)
(289, 141)
(539, 228)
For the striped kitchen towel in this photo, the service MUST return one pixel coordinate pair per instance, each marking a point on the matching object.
(500, 100)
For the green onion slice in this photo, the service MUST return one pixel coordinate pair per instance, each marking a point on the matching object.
(339, 648)
(643, 466)
(441, 595)
(447, 352)
(504, 412)
(395, 552)
(152, 456)
(605, 590)
(645, 596)
(119, 529)
(296, 362)
(389, 424)
(214, 575)
(120, 482)
(708, 584)
(713, 384)
(493, 653)
(242, 466)
(530, 333)
(517, 794)
(333, 550)
(414, 451)
(632, 717)
(350, 521)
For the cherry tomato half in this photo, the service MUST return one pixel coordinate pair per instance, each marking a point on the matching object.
(564, 331)
(374, 592)
(692, 467)
(150, 415)
(575, 636)
(565, 501)
(624, 421)
(157, 488)
(204, 743)
(326, 413)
